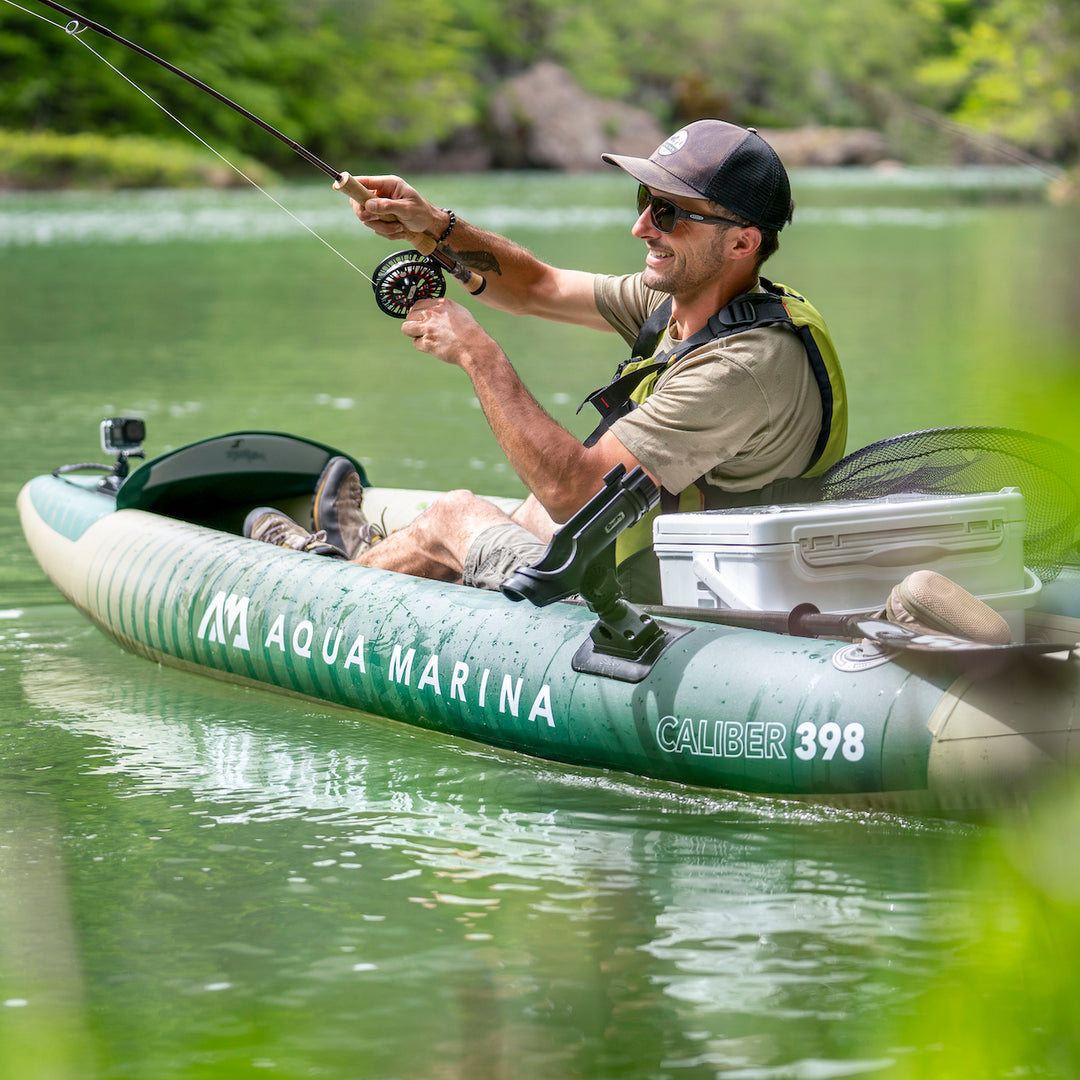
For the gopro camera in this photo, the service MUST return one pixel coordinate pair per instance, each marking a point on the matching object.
(123, 435)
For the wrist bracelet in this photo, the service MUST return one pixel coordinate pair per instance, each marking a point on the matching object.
(449, 228)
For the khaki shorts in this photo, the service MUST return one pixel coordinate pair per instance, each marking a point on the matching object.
(497, 552)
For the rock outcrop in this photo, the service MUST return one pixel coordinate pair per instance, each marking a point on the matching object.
(542, 119)
(827, 146)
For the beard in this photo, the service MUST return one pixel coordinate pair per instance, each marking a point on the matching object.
(688, 269)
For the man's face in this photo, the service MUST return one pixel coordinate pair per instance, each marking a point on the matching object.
(687, 258)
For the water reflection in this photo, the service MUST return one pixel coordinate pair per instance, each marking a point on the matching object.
(321, 871)
(154, 217)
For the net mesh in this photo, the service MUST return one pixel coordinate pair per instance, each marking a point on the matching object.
(967, 460)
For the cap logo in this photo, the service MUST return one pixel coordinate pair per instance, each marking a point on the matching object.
(674, 144)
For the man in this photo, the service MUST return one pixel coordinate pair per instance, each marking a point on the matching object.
(751, 392)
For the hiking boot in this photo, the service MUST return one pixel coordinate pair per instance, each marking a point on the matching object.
(335, 510)
(273, 527)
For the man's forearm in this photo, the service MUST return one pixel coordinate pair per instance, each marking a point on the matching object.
(516, 281)
(512, 273)
(557, 469)
(552, 462)
(520, 283)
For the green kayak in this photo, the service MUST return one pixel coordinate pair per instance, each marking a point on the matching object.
(847, 716)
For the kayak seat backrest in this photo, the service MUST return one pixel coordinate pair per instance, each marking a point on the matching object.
(215, 482)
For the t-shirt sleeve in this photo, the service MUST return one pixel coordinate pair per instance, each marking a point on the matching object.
(625, 303)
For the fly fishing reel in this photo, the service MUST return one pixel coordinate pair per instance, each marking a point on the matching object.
(405, 277)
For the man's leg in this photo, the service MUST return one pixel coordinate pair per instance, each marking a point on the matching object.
(436, 543)
(532, 516)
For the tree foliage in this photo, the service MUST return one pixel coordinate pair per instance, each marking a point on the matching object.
(331, 74)
(1011, 68)
(356, 78)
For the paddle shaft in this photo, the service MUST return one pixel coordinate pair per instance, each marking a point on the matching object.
(805, 620)
(425, 244)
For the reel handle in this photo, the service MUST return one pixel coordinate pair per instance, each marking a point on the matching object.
(425, 244)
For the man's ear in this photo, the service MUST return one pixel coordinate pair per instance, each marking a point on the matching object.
(745, 243)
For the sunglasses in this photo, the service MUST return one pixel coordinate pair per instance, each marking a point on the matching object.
(665, 215)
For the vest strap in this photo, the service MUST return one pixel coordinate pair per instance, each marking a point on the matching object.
(745, 312)
(742, 313)
(613, 401)
(651, 331)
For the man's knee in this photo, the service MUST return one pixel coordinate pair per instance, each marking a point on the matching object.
(460, 501)
(453, 509)
(475, 535)
(452, 522)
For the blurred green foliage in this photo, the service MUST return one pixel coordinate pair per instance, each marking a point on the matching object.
(1011, 67)
(43, 159)
(359, 79)
(1005, 1002)
(331, 73)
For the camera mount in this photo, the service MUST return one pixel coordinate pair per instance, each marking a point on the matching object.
(120, 435)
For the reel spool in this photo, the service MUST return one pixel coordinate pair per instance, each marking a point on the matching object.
(405, 277)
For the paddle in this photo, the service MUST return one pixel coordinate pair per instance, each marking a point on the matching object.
(806, 620)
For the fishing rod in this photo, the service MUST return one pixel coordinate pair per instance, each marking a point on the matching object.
(399, 280)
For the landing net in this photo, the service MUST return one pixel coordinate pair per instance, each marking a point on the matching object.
(967, 460)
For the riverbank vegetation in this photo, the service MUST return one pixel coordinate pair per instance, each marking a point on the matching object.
(44, 159)
(375, 82)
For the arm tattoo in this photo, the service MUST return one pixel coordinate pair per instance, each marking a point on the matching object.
(484, 262)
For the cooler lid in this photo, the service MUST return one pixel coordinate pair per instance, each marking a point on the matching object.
(785, 524)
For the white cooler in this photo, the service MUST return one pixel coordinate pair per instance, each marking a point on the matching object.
(846, 556)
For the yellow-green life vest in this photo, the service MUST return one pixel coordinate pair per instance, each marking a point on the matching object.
(635, 380)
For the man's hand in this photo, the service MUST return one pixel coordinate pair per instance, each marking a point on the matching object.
(447, 330)
(397, 209)
(552, 463)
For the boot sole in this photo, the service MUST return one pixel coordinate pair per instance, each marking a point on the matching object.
(324, 517)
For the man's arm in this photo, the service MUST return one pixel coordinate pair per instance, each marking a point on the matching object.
(517, 281)
(557, 469)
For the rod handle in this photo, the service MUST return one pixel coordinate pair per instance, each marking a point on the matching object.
(353, 188)
(423, 243)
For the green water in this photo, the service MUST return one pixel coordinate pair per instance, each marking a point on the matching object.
(198, 880)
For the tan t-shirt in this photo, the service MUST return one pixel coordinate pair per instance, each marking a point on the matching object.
(742, 413)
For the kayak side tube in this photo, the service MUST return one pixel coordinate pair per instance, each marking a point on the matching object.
(723, 708)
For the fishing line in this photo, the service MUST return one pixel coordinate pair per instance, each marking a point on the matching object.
(398, 281)
(402, 282)
(74, 30)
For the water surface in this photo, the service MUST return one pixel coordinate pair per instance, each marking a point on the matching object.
(199, 880)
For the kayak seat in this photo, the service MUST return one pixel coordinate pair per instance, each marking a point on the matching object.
(216, 481)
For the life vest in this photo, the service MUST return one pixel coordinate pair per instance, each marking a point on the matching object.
(636, 379)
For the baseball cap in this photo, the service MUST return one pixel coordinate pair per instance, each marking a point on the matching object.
(721, 162)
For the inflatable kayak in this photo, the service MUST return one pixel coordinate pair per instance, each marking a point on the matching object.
(845, 709)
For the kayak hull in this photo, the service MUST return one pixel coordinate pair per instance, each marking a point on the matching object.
(723, 708)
